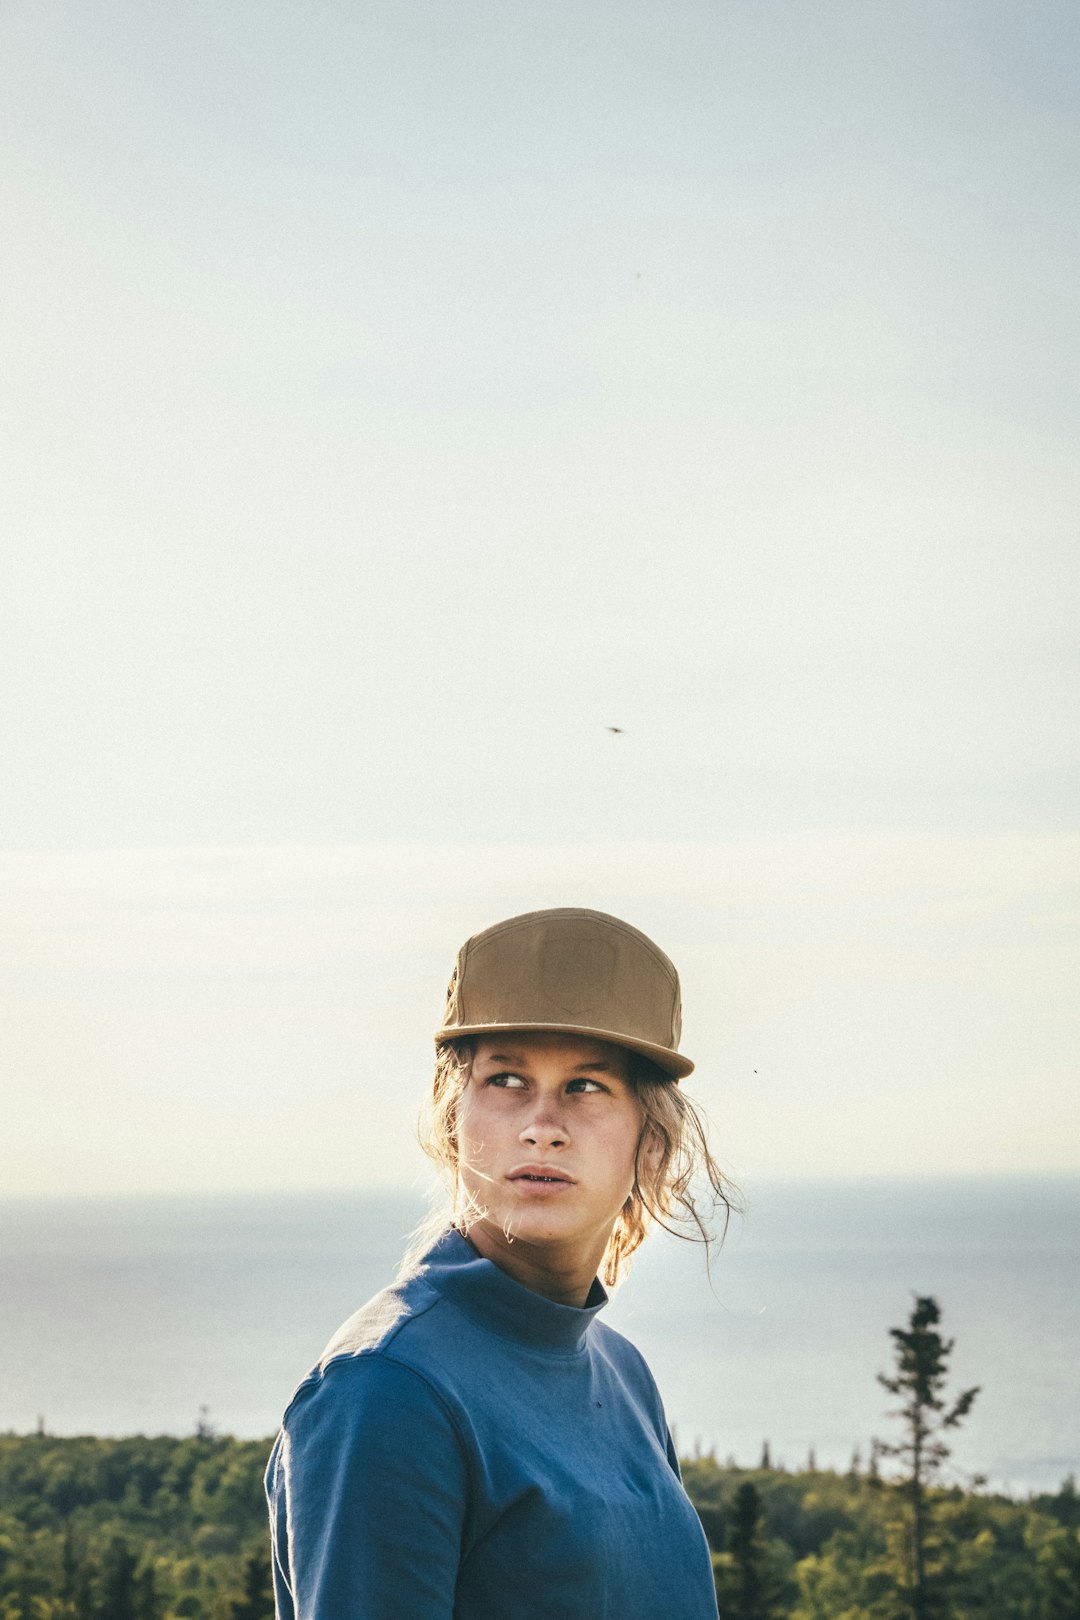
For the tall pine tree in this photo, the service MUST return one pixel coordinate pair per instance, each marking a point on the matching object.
(922, 1358)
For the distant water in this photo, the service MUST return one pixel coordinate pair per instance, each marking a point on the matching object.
(129, 1315)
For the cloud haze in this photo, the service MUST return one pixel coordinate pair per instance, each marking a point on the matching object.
(394, 399)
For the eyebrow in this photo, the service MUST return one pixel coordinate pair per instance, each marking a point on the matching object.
(523, 1062)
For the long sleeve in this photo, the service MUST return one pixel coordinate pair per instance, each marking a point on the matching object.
(367, 1487)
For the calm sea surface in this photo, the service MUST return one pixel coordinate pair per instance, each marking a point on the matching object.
(126, 1315)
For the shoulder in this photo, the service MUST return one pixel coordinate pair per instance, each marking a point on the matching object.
(369, 1400)
(377, 1324)
(370, 1364)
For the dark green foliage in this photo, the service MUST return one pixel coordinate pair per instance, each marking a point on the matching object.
(1065, 1506)
(836, 1547)
(749, 1579)
(163, 1529)
(134, 1529)
(257, 1599)
(118, 1581)
(146, 1605)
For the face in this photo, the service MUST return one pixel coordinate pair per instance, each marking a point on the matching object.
(548, 1133)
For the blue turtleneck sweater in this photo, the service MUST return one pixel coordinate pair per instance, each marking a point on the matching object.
(468, 1450)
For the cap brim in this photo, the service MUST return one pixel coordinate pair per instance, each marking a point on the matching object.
(673, 1063)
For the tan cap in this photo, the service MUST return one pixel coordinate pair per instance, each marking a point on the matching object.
(581, 972)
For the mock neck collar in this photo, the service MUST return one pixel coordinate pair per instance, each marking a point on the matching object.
(496, 1302)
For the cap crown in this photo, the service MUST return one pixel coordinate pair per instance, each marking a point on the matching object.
(579, 971)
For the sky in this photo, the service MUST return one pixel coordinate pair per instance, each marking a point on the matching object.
(397, 396)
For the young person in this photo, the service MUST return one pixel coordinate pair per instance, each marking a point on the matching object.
(474, 1443)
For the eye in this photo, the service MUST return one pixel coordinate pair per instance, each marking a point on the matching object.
(506, 1081)
(585, 1085)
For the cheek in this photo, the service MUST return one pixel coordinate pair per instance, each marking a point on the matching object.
(474, 1129)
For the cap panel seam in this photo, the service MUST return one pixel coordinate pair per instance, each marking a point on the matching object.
(528, 919)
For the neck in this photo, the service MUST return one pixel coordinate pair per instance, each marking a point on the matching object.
(557, 1273)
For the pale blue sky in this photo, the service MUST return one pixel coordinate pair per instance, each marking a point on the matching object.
(395, 396)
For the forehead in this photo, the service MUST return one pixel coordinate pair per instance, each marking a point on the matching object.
(542, 1046)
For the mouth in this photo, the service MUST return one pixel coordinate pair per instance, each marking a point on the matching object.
(539, 1176)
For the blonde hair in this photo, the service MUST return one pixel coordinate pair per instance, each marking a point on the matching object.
(674, 1173)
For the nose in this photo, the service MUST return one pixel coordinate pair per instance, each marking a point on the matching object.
(544, 1128)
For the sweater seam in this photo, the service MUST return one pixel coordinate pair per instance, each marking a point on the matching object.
(374, 1353)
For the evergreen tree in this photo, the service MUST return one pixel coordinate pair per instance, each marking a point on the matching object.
(745, 1587)
(83, 1606)
(257, 1602)
(145, 1599)
(1065, 1506)
(69, 1572)
(118, 1582)
(1060, 1577)
(922, 1358)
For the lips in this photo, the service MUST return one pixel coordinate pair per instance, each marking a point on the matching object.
(540, 1175)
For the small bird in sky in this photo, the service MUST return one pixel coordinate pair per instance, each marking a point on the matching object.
(616, 731)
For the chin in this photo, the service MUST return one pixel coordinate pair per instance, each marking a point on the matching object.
(538, 1225)
(528, 1227)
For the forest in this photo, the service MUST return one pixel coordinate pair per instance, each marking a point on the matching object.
(166, 1528)
(175, 1529)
